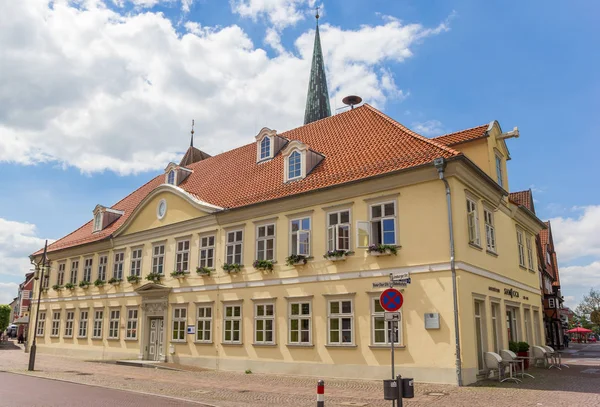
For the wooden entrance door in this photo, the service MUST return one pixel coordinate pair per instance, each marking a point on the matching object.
(155, 343)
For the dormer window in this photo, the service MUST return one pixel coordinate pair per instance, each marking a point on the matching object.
(176, 174)
(98, 221)
(104, 216)
(171, 177)
(268, 144)
(294, 166)
(265, 148)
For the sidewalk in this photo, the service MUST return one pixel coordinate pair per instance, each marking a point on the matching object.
(235, 389)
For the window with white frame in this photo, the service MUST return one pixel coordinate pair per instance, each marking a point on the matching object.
(87, 269)
(55, 324)
(132, 323)
(521, 248)
(74, 271)
(171, 177)
(182, 256)
(380, 331)
(529, 252)
(46, 278)
(69, 324)
(473, 222)
(499, 177)
(136, 262)
(294, 164)
(83, 323)
(264, 323)
(234, 247)
(480, 330)
(300, 236)
(340, 321)
(207, 251)
(41, 325)
(300, 323)
(265, 148)
(383, 223)
(338, 230)
(118, 265)
(496, 327)
(232, 327)
(158, 259)
(102, 264)
(97, 221)
(25, 294)
(113, 323)
(179, 324)
(60, 276)
(265, 242)
(548, 257)
(98, 320)
(204, 324)
(490, 231)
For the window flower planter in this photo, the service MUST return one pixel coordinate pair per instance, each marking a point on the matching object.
(382, 250)
(154, 277)
(337, 255)
(134, 279)
(84, 284)
(57, 287)
(204, 271)
(297, 260)
(265, 265)
(115, 281)
(70, 286)
(45, 290)
(99, 283)
(179, 274)
(232, 268)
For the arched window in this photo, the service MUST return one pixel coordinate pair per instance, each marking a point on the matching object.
(171, 177)
(295, 165)
(97, 222)
(265, 148)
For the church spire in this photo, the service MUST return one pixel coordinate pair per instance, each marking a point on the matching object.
(317, 100)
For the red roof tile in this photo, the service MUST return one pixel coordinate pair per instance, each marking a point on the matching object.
(463, 136)
(524, 198)
(357, 144)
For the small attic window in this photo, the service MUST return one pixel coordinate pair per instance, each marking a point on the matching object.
(171, 177)
(265, 148)
(98, 222)
(294, 166)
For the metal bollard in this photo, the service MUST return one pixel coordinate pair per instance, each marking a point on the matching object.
(320, 393)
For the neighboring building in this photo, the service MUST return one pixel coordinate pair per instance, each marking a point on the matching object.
(549, 276)
(14, 309)
(24, 304)
(341, 183)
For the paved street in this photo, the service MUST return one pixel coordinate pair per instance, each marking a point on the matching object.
(578, 385)
(20, 390)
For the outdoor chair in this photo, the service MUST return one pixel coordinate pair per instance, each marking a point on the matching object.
(514, 361)
(493, 361)
(539, 353)
(555, 357)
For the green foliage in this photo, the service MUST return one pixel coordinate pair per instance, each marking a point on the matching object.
(133, 279)
(232, 268)
(114, 281)
(4, 317)
(178, 273)
(70, 286)
(57, 287)
(382, 248)
(203, 271)
(294, 259)
(337, 253)
(263, 265)
(513, 346)
(248, 371)
(84, 284)
(589, 304)
(523, 347)
(595, 317)
(99, 283)
(154, 277)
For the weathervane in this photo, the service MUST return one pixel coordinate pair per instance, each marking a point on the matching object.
(192, 139)
(317, 12)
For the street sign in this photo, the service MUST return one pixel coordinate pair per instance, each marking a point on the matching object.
(400, 276)
(391, 300)
(392, 316)
(390, 284)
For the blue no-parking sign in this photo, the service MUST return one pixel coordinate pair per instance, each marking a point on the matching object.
(391, 300)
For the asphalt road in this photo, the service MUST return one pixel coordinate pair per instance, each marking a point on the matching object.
(26, 391)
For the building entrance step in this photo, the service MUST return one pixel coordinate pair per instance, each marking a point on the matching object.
(145, 363)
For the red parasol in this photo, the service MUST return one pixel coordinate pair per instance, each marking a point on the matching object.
(579, 330)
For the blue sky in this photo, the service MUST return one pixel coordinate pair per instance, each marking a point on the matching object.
(99, 96)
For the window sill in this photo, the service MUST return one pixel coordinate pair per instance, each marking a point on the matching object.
(176, 342)
(82, 337)
(475, 246)
(341, 346)
(522, 267)
(300, 345)
(531, 271)
(491, 253)
(68, 337)
(97, 338)
(131, 339)
(203, 342)
(387, 347)
(53, 336)
(232, 344)
(265, 345)
(112, 339)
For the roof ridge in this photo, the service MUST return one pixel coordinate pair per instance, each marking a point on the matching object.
(461, 131)
(411, 132)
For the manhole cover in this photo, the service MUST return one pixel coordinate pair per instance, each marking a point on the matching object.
(433, 393)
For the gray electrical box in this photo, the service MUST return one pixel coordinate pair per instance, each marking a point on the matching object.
(432, 321)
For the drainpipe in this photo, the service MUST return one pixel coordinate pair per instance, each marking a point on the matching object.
(440, 165)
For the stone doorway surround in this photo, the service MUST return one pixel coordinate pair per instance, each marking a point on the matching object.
(155, 304)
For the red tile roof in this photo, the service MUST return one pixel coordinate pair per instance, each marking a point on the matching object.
(463, 136)
(524, 198)
(357, 144)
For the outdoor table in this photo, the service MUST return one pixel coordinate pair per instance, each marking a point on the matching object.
(512, 364)
(521, 360)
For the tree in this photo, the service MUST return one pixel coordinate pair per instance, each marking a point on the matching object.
(595, 317)
(589, 304)
(4, 317)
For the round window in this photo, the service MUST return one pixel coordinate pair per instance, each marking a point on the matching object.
(161, 210)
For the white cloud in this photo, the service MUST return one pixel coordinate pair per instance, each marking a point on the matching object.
(85, 86)
(273, 39)
(582, 276)
(8, 291)
(17, 241)
(280, 13)
(577, 236)
(428, 128)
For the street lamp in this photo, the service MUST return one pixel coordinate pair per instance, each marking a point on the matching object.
(39, 273)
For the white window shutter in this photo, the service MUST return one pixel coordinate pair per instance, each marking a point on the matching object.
(362, 233)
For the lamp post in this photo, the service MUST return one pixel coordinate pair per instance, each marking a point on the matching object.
(39, 273)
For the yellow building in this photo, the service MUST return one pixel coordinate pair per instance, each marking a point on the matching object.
(246, 235)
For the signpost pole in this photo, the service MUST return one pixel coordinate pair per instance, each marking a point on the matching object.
(391, 337)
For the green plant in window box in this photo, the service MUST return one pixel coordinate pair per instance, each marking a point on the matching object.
(297, 260)
(45, 290)
(114, 281)
(513, 346)
(522, 350)
(263, 265)
(382, 249)
(70, 286)
(232, 268)
(178, 274)
(99, 283)
(203, 271)
(57, 287)
(84, 284)
(336, 255)
(154, 277)
(133, 279)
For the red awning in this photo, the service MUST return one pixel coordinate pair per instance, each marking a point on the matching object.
(579, 330)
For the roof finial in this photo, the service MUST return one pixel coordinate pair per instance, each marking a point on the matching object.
(192, 139)
(317, 16)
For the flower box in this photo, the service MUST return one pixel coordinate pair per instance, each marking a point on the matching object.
(154, 277)
(382, 250)
(297, 260)
(133, 279)
(336, 258)
(99, 283)
(179, 274)
(204, 271)
(45, 290)
(115, 281)
(265, 265)
(57, 287)
(232, 268)
(84, 284)
(378, 254)
(70, 286)
(337, 255)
